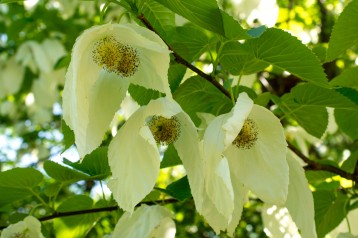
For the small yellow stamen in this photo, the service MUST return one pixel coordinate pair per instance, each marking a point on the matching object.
(248, 135)
(115, 57)
(165, 130)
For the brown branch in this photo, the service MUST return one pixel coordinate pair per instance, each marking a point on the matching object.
(184, 62)
(313, 165)
(95, 210)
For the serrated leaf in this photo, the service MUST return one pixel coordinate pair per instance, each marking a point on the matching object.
(17, 184)
(94, 164)
(233, 30)
(63, 174)
(348, 78)
(182, 42)
(329, 210)
(285, 51)
(347, 122)
(160, 17)
(68, 135)
(170, 158)
(176, 73)
(180, 189)
(345, 31)
(238, 59)
(78, 225)
(142, 95)
(203, 13)
(198, 95)
(256, 32)
(307, 105)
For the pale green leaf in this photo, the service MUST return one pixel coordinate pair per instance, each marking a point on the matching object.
(345, 31)
(285, 51)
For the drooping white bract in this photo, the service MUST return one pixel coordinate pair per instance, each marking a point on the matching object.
(29, 227)
(134, 156)
(243, 149)
(298, 210)
(146, 221)
(105, 60)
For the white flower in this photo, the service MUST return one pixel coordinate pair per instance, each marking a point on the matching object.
(243, 149)
(11, 77)
(298, 210)
(134, 157)
(29, 227)
(105, 60)
(146, 221)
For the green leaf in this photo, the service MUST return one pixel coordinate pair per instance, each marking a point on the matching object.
(63, 174)
(349, 165)
(142, 95)
(238, 59)
(345, 31)
(180, 189)
(203, 13)
(18, 183)
(170, 158)
(346, 119)
(329, 210)
(183, 43)
(318, 176)
(160, 17)
(68, 135)
(285, 51)
(77, 225)
(94, 164)
(348, 78)
(233, 30)
(198, 95)
(176, 73)
(307, 105)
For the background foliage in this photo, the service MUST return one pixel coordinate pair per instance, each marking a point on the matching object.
(304, 65)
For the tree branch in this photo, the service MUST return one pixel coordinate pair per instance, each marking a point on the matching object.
(95, 210)
(182, 61)
(313, 165)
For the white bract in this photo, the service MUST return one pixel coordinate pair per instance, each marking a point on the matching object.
(11, 77)
(243, 149)
(105, 60)
(298, 210)
(29, 227)
(134, 157)
(146, 221)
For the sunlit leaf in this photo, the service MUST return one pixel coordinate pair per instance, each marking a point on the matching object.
(345, 31)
